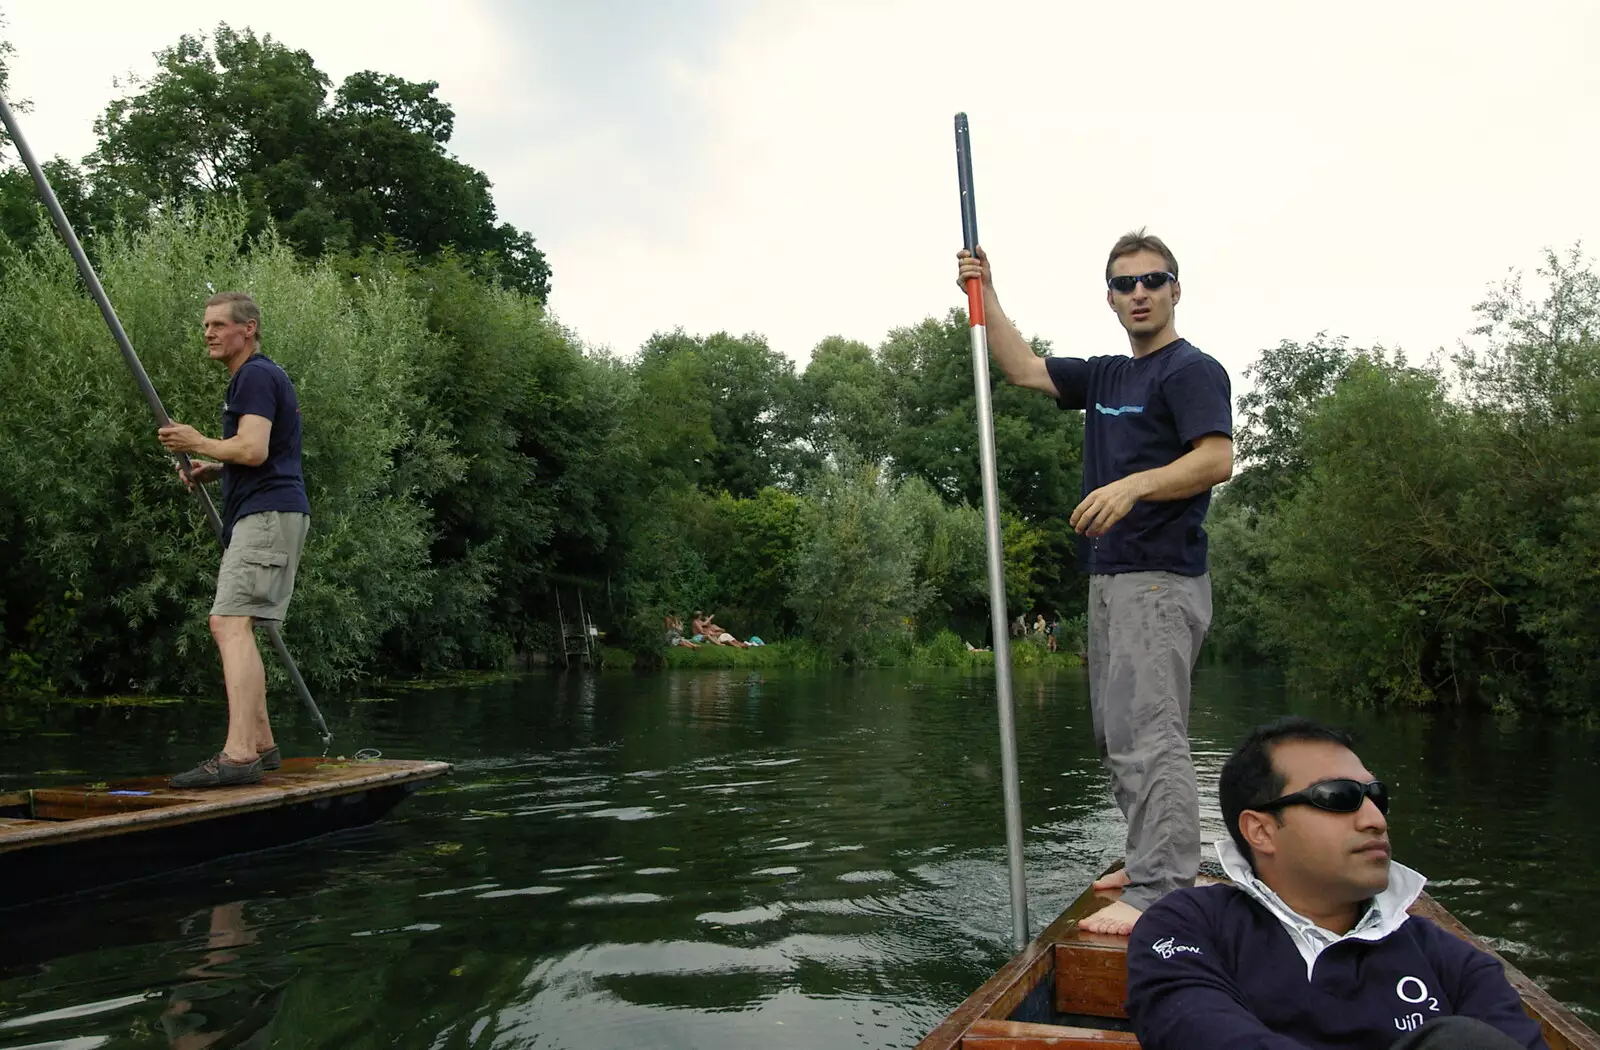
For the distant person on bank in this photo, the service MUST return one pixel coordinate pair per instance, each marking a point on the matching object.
(1157, 435)
(1311, 946)
(265, 518)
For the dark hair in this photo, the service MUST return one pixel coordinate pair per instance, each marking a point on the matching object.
(1139, 241)
(1249, 778)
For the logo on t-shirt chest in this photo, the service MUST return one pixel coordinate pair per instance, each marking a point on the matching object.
(1413, 992)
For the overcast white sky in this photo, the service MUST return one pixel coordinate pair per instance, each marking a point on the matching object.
(1365, 168)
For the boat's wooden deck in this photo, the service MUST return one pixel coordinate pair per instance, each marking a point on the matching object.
(76, 813)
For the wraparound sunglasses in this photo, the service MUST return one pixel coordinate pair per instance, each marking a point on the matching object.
(1335, 796)
(1152, 280)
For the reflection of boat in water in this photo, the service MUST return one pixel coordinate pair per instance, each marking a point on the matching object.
(1065, 991)
(56, 841)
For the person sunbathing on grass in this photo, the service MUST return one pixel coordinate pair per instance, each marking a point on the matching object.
(703, 626)
(675, 632)
(722, 636)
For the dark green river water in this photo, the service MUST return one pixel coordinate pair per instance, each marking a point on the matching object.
(711, 860)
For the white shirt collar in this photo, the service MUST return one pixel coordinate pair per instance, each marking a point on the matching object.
(1385, 914)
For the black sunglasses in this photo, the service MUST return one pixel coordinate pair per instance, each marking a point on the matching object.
(1335, 796)
(1153, 280)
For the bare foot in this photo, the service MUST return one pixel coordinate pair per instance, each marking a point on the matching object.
(1115, 881)
(1115, 918)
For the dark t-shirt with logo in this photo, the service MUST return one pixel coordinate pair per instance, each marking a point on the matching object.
(261, 388)
(1141, 413)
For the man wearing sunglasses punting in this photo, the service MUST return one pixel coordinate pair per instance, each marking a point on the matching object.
(1311, 947)
(1157, 435)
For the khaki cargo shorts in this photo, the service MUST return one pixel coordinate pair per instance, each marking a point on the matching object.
(257, 574)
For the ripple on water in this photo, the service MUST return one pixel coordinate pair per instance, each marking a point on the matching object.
(416, 927)
(578, 868)
(76, 1012)
(743, 917)
(458, 889)
(624, 813)
(728, 788)
(521, 891)
(601, 899)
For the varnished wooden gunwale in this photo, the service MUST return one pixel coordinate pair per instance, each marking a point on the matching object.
(1062, 953)
(86, 813)
(1562, 1028)
(1018, 1035)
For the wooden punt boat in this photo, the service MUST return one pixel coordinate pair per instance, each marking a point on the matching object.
(1066, 989)
(56, 841)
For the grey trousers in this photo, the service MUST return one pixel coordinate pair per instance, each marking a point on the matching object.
(1145, 630)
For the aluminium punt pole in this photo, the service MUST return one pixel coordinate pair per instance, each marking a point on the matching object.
(997, 574)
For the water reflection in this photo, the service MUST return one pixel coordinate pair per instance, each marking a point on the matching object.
(223, 1006)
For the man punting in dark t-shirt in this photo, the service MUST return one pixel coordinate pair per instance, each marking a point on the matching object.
(265, 519)
(1157, 436)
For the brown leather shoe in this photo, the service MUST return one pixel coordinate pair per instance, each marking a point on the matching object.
(217, 771)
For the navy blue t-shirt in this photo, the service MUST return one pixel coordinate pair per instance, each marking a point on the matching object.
(1141, 413)
(261, 388)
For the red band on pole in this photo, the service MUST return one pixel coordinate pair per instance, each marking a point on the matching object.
(974, 302)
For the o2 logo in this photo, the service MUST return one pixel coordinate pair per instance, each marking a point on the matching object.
(1411, 990)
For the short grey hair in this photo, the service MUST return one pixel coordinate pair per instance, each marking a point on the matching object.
(241, 308)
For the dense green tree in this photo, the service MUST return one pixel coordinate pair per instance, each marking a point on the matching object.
(751, 546)
(248, 117)
(1419, 540)
(1286, 382)
(856, 584)
(1362, 556)
(722, 408)
(1038, 447)
(1534, 386)
(536, 428)
(845, 396)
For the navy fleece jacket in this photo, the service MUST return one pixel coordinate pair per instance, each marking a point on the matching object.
(1210, 967)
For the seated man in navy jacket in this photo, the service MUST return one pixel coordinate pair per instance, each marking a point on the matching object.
(1311, 946)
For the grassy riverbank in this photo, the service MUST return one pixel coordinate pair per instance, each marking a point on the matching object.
(944, 650)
